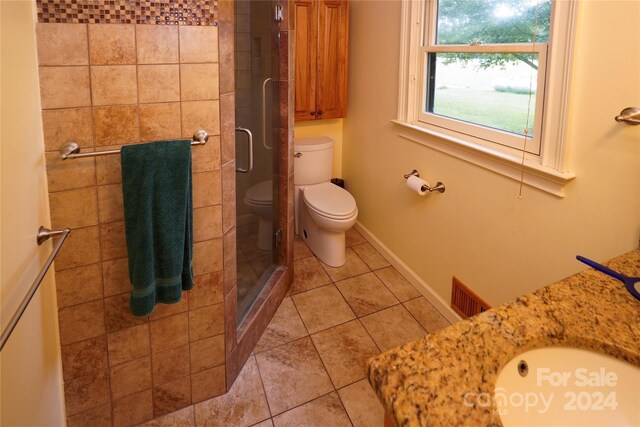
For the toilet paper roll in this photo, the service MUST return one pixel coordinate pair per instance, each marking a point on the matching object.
(418, 185)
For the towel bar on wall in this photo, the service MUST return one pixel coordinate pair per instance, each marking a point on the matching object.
(71, 150)
(43, 235)
(629, 115)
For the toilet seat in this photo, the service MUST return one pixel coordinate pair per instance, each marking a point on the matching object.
(330, 201)
(260, 194)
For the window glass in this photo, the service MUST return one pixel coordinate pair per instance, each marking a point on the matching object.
(492, 21)
(489, 89)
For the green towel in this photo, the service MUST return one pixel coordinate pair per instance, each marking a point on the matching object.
(156, 186)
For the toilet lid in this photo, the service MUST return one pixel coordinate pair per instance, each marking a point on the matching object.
(330, 200)
(261, 193)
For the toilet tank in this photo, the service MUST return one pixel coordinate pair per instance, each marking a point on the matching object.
(312, 162)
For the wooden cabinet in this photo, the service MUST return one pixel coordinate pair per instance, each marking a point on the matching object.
(322, 38)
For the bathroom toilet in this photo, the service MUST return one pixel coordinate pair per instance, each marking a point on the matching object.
(259, 199)
(323, 211)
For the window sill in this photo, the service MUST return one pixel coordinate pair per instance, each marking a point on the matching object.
(535, 174)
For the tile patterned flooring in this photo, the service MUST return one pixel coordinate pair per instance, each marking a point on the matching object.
(308, 367)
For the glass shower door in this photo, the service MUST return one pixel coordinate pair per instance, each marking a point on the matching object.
(256, 53)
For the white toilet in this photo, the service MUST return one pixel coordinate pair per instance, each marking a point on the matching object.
(323, 211)
(259, 199)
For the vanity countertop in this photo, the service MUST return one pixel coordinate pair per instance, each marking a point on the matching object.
(424, 382)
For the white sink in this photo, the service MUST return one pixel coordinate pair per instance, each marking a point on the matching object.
(568, 387)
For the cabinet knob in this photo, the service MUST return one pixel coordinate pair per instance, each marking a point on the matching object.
(313, 113)
(320, 112)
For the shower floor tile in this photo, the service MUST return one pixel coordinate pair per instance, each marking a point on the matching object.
(308, 368)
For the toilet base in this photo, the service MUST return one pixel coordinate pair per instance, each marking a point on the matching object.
(328, 246)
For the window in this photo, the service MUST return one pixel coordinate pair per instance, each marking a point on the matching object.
(482, 75)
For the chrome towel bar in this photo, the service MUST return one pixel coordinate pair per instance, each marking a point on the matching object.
(71, 150)
(43, 235)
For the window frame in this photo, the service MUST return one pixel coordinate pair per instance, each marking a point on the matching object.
(546, 168)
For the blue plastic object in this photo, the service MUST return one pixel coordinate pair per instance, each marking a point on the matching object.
(629, 282)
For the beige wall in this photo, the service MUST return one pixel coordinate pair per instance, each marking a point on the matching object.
(30, 362)
(331, 128)
(479, 230)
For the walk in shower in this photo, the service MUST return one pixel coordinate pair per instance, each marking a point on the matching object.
(257, 135)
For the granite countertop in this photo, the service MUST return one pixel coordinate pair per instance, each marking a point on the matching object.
(424, 382)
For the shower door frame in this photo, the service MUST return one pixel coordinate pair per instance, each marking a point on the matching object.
(240, 340)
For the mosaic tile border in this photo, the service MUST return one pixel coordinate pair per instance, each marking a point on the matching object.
(157, 12)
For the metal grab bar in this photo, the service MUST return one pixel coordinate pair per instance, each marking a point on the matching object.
(71, 150)
(43, 235)
(629, 115)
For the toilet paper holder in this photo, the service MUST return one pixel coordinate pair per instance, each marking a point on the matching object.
(439, 187)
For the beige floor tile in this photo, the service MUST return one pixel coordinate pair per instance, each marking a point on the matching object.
(300, 249)
(427, 315)
(362, 405)
(397, 284)
(370, 256)
(322, 412)
(366, 294)
(308, 274)
(285, 326)
(353, 237)
(353, 267)
(292, 374)
(180, 418)
(244, 405)
(392, 327)
(322, 308)
(344, 349)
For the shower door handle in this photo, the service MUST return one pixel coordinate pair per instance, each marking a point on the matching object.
(250, 150)
(264, 113)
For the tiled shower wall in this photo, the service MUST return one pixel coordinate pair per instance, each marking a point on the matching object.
(104, 86)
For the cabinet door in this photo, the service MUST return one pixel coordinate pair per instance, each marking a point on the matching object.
(333, 30)
(305, 62)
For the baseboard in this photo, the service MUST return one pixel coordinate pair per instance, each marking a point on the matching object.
(426, 290)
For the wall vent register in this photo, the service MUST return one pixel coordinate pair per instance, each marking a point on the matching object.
(464, 301)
